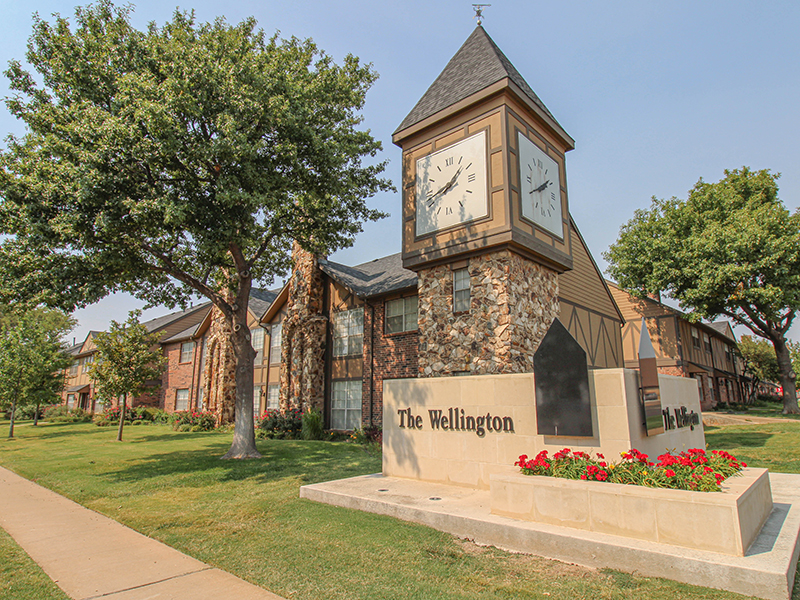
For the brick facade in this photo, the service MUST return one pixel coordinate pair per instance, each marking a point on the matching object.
(178, 375)
(386, 356)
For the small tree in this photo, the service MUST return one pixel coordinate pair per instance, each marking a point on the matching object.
(731, 248)
(125, 361)
(32, 358)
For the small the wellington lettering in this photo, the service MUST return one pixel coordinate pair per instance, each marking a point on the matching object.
(682, 418)
(455, 419)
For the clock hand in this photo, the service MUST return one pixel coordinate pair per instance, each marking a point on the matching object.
(541, 187)
(446, 186)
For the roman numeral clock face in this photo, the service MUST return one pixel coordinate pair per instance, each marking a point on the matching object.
(451, 185)
(540, 187)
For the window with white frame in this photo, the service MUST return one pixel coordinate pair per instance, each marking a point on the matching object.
(73, 367)
(401, 315)
(695, 339)
(273, 396)
(257, 340)
(707, 342)
(86, 362)
(70, 400)
(348, 332)
(256, 399)
(346, 404)
(200, 399)
(275, 344)
(182, 399)
(461, 290)
(187, 350)
(98, 405)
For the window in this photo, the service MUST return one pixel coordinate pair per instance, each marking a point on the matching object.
(275, 344)
(70, 400)
(200, 398)
(346, 405)
(86, 362)
(461, 290)
(728, 354)
(707, 342)
(257, 399)
(401, 315)
(203, 356)
(182, 399)
(73, 368)
(695, 339)
(187, 349)
(348, 332)
(98, 405)
(273, 396)
(257, 341)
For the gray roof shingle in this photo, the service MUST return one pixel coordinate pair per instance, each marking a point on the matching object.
(478, 64)
(374, 278)
(260, 300)
(161, 322)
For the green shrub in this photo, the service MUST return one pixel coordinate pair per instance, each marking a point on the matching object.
(274, 424)
(61, 413)
(27, 411)
(367, 436)
(312, 425)
(186, 420)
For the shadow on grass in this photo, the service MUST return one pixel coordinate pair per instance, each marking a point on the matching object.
(310, 461)
(722, 439)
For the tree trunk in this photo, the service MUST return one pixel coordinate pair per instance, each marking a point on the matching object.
(13, 414)
(36, 416)
(787, 376)
(244, 436)
(122, 416)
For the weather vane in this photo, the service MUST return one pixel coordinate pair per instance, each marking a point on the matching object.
(478, 8)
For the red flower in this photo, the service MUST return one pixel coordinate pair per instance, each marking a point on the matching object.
(669, 473)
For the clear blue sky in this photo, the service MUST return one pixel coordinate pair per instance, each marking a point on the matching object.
(656, 95)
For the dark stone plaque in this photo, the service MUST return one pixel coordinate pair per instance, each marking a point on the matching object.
(563, 406)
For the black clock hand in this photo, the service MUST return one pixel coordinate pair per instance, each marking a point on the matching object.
(446, 187)
(541, 187)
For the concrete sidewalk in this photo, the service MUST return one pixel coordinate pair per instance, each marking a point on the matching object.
(91, 556)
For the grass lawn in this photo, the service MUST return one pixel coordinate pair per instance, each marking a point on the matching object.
(246, 517)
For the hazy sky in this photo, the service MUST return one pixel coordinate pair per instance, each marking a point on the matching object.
(656, 95)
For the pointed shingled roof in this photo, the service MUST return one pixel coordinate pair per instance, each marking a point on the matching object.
(478, 64)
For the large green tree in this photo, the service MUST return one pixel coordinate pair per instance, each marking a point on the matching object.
(32, 358)
(760, 359)
(127, 358)
(731, 248)
(180, 160)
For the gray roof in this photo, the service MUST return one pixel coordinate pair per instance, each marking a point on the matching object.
(161, 322)
(75, 349)
(182, 335)
(721, 327)
(478, 64)
(260, 300)
(374, 278)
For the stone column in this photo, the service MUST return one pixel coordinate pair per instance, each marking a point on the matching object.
(513, 301)
(304, 336)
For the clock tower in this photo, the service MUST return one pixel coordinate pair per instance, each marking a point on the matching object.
(485, 214)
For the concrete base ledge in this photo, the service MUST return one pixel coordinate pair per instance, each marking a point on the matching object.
(767, 570)
(727, 521)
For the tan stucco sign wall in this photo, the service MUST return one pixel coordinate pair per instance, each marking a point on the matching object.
(460, 430)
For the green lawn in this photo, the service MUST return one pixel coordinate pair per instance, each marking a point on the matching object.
(246, 517)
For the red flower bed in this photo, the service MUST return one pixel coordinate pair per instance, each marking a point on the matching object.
(691, 470)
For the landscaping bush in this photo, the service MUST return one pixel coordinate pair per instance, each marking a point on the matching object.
(691, 470)
(186, 420)
(368, 436)
(274, 424)
(312, 425)
(61, 413)
(27, 412)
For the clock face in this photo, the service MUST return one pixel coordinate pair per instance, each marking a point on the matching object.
(451, 185)
(540, 187)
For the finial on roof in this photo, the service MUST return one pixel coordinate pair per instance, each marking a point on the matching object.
(478, 8)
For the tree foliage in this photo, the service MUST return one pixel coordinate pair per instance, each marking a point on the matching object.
(180, 160)
(760, 358)
(731, 248)
(128, 356)
(32, 358)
